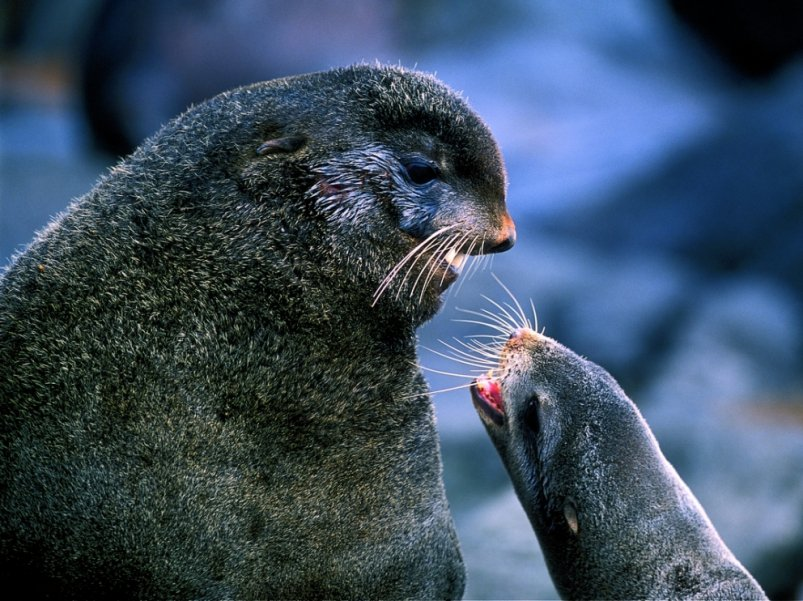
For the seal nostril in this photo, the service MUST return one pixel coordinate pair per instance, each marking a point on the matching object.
(507, 244)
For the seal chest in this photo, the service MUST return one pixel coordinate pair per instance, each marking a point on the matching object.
(208, 384)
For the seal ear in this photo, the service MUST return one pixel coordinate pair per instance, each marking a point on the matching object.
(281, 145)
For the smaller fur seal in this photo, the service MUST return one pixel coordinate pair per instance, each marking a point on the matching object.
(612, 515)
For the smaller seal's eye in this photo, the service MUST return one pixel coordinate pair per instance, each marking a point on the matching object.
(420, 171)
(531, 418)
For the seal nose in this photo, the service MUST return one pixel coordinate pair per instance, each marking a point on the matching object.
(507, 239)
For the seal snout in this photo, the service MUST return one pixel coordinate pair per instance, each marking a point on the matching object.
(506, 238)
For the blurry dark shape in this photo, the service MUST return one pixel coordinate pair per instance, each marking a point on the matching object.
(756, 37)
(13, 15)
(147, 60)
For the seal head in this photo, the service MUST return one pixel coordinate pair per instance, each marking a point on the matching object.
(611, 514)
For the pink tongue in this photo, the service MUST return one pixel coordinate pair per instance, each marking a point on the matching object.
(488, 388)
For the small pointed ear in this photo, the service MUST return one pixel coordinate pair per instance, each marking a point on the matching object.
(281, 145)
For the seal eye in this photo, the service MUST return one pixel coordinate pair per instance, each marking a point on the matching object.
(531, 417)
(420, 171)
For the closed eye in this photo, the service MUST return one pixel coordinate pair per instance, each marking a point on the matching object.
(421, 172)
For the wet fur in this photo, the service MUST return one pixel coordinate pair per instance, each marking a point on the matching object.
(202, 395)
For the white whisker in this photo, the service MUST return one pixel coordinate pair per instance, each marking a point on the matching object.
(503, 331)
(451, 388)
(445, 373)
(481, 367)
(525, 322)
(414, 253)
(478, 360)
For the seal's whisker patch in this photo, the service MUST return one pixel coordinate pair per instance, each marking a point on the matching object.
(504, 315)
(477, 357)
(504, 331)
(524, 321)
(449, 246)
(477, 349)
(470, 362)
(447, 373)
(441, 248)
(475, 260)
(473, 350)
(439, 390)
(413, 255)
(499, 320)
(535, 316)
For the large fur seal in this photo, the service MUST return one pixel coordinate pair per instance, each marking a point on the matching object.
(208, 384)
(614, 519)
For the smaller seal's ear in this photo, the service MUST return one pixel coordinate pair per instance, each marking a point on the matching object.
(282, 145)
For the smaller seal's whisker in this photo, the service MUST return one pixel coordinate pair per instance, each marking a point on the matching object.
(493, 317)
(503, 331)
(433, 392)
(491, 351)
(535, 316)
(505, 315)
(482, 367)
(477, 350)
(524, 322)
(446, 373)
(451, 388)
(498, 337)
(462, 356)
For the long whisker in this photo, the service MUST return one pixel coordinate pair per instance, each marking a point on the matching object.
(481, 367)
(451, 388)
(457, 246)
(415, 252)
(525, 322)
(464, 357)
(493, 317)
(535, 315)
(475, 346)
(445, 373)
(473, 258)
(511, 319)
(439, 257)
(503, 331)
(438, 245)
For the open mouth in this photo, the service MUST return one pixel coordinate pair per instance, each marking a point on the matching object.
(486, 393)
(452, 264)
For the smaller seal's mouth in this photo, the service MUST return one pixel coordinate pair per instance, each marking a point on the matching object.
(486, 393)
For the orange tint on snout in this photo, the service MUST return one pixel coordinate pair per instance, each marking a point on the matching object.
(506, 238)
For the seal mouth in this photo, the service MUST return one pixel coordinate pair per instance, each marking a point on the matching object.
(486, 393)
(451, 265)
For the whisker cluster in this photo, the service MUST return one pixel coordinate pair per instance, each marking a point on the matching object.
(421, 264)
(479, 353)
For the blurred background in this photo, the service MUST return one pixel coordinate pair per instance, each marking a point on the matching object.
(655, 158)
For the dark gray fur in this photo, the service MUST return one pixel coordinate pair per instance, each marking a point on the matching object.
(574, 444)
(198, 398)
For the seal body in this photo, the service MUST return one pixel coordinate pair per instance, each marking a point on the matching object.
(614, 519)
(209, 386)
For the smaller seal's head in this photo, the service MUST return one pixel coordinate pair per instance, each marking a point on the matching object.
(550, 411)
